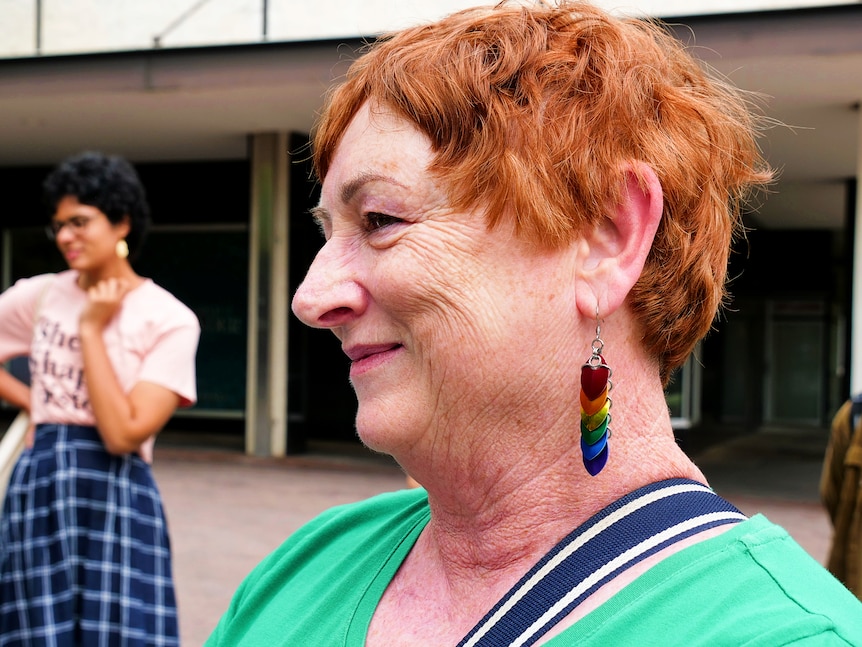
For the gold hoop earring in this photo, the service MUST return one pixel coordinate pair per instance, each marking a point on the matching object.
(122, 248)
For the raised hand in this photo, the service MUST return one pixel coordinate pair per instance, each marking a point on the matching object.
(104, 299)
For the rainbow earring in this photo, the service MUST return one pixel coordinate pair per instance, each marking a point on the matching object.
(595, 406)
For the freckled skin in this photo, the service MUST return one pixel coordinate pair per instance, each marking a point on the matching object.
(484, 322)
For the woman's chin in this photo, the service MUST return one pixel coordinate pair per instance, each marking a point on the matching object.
(374, 440)
(380, 435)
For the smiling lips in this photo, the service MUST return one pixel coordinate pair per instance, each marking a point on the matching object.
(364, 358)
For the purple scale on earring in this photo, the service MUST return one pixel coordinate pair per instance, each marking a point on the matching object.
(595, 465)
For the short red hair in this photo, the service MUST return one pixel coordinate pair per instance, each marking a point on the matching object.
(533, 113)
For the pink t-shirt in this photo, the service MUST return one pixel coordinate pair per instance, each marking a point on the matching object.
(153, 338)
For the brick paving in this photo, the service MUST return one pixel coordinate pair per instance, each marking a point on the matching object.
(777, 473)
(227, 511)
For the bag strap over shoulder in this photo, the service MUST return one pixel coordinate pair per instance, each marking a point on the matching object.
(628, 531)
(40, 300)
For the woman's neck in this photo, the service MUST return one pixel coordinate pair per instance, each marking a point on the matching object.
(510, 506)
(123, 271)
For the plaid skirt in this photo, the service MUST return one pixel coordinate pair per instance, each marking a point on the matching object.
(84, 549)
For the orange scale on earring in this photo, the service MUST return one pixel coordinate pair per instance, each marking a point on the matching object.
(592, 406)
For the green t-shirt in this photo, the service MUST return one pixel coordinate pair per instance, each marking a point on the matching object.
(752, 585)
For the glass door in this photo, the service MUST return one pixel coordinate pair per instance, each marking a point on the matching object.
(795, 363)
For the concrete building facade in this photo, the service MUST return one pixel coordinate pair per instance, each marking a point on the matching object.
(213, 101)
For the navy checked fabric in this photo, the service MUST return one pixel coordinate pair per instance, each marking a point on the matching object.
(84, 549)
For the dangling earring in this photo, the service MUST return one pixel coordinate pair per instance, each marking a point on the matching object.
(122, 248)
(595, 406)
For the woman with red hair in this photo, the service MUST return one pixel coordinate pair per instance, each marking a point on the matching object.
(527, 214)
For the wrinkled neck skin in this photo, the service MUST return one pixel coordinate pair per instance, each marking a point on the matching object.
(511, 484)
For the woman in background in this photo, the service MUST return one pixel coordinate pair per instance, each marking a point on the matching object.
(841, 494)
(84, 548)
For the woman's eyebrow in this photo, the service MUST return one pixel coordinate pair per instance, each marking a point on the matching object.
(350, 188)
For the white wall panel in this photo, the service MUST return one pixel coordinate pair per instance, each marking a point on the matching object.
(75, 26)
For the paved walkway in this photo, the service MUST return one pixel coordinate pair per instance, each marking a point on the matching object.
(227, 511)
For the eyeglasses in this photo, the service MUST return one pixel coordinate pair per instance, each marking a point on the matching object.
(76, 224)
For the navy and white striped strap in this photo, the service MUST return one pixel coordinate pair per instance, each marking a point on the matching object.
(613, 540)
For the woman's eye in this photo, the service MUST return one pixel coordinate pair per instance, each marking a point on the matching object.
(374, 221)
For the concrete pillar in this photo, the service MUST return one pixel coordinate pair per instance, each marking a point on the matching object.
(266, 384)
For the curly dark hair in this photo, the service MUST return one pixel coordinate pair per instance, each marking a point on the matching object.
(107, 182)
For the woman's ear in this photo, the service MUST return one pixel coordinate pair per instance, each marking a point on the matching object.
(124, 226)
(615, 249)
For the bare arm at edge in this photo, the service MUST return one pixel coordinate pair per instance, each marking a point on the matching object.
(125, 421)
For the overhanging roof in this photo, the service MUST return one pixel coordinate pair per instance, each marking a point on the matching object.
(200, 103)
(160, 104)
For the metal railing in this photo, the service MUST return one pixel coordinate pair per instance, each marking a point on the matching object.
(39, 16)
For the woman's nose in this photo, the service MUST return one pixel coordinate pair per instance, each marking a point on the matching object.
(64, 234)
(330, 295)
